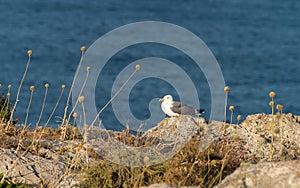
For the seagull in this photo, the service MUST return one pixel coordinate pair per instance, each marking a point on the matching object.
(173, 108)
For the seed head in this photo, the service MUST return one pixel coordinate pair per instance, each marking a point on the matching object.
(236, 137)
(213, 162)
(272, 94)
(138, 67)
(63, 86)
(226, 88)
(29, 52)
(231, 108)
(146, 160)
(83, 48)
(279, 107)
(239, 117)
(8, 94)
(271, 103)
(32, 88)
(278, 114)
(47, 85)
(0, 86)
(75, 115)
(9, 86)
(88, 69)
(81, 99)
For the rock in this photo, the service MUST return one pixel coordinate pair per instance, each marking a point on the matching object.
(164, 185)
(266, 174)
(182, 129)
(30, 169)
(173, 128)
(159, 185)
(71, 180)
(262, 137)
(48, 168)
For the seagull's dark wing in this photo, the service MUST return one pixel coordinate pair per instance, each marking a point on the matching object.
(177, 104)
(183, 109)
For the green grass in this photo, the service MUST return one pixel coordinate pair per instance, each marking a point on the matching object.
(9, 184)
(5, 108)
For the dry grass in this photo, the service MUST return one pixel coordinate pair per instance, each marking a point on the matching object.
(189, 167)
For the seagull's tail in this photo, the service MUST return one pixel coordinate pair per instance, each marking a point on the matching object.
(201, 111)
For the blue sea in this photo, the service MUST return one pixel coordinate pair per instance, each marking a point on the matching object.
(256, 44)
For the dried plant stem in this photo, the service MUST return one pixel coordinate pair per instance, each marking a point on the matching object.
(19, 89)
(225, 107)
(71, 88)
(239, 117)
(190, 171)
(7, 100)
(73, 162)
(273, 123)
(84, 123)
(113, 97)
(55, 107)
(5, 105)
(34, 140)
(43, 107)
(66, 124)
(281, 141)
(219, 176)
(85, 136)
(74, 121)
(80, 93)
(271, 152)
(207, 173)
(231, 116)
(28, 107)
(223, 129)
(272, 95)
(52, 113)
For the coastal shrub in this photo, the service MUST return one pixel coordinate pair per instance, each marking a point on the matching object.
(7, 184)
(5, 107)
(189, 167)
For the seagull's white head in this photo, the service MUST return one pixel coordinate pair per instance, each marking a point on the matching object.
(167, 98)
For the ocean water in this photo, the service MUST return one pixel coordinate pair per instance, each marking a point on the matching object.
(256, 44)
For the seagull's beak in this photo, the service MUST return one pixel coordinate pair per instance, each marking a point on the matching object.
(161, 99)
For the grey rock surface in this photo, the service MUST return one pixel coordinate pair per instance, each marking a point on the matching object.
(30, 169)
(48, 168)
(285, 174)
